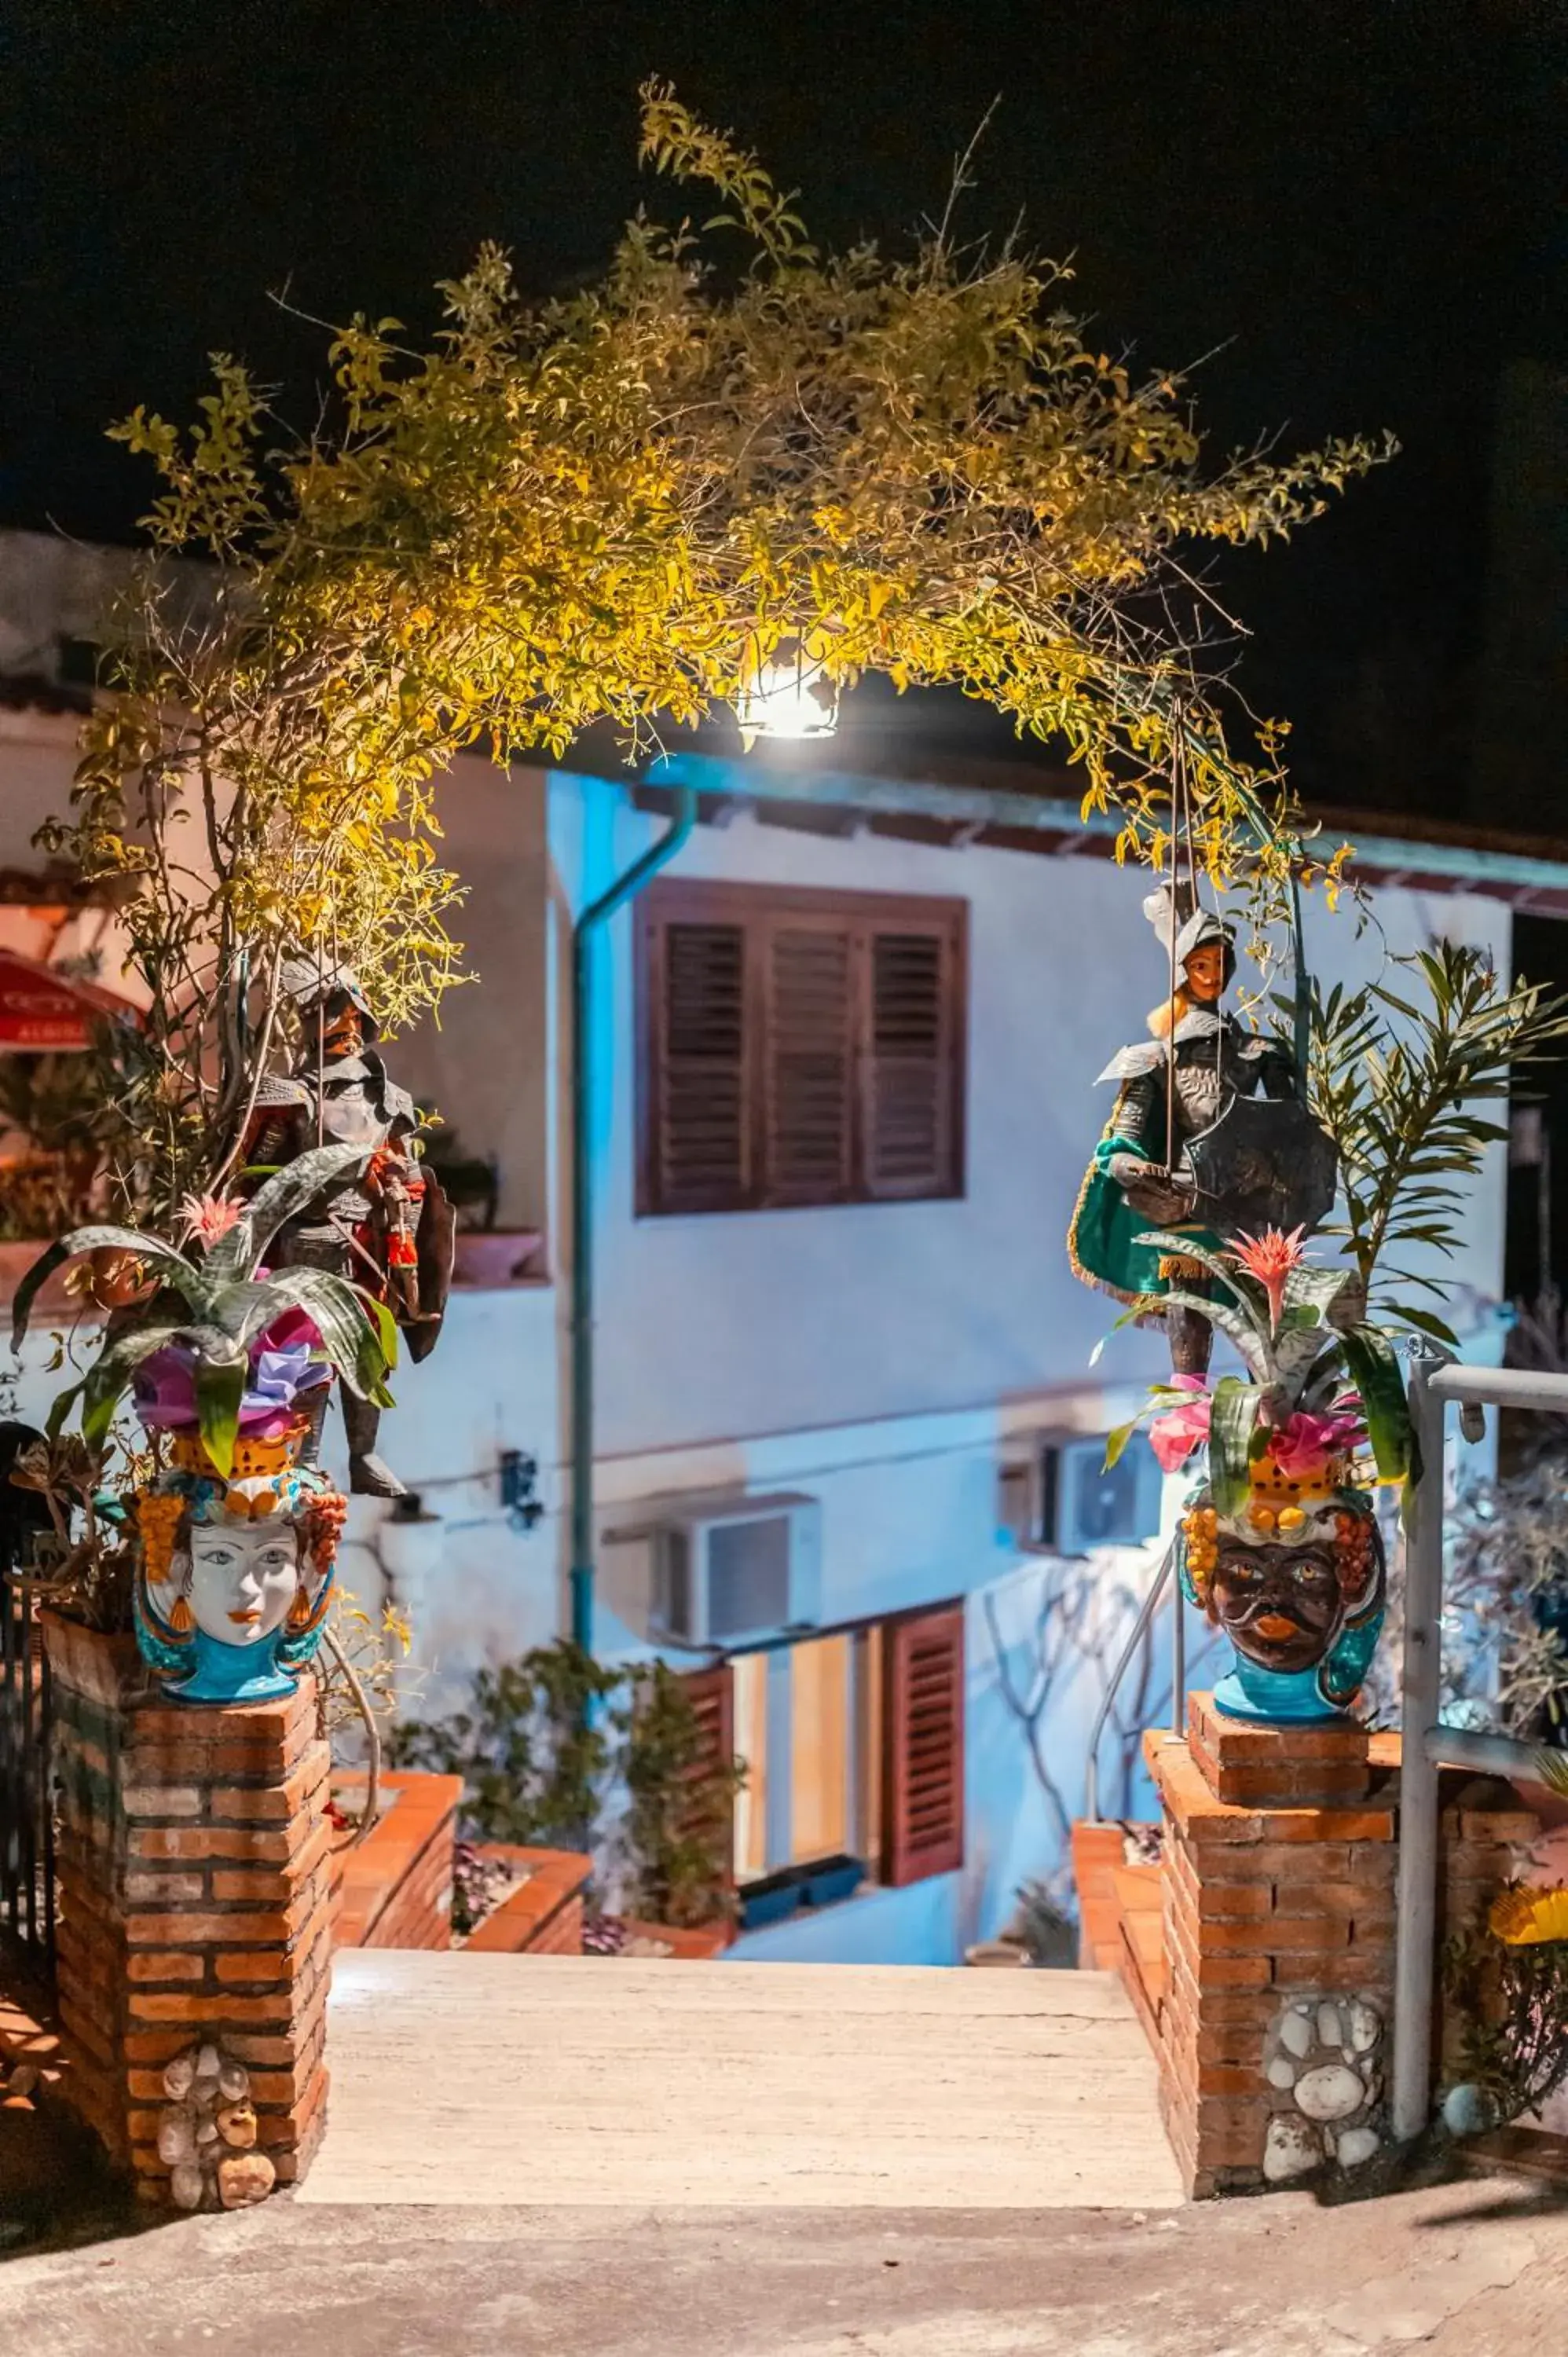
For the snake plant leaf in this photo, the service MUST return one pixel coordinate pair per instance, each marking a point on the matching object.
(1551, 1769)
(1233, 1434)
(105, 1382)
(296, 1187)
(359, 1334)
(1318, 1288)
(172, 1267)
(1246, 1289)
(1373, 1367)
(1235, 1329)
(219, 1389)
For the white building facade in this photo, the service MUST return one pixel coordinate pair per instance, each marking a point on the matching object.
(884, 1359)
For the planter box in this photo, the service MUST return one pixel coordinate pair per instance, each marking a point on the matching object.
(488, 1258)
(773, 1900)
(821, 1883)
(395, 1890)
(543, 1916)
(695, 1946)
(834, 1879)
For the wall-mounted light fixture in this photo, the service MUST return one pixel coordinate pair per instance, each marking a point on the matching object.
(790, 694)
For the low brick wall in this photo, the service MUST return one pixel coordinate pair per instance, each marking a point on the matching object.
(394, 1890)
(543, 1916)
(193, 1861)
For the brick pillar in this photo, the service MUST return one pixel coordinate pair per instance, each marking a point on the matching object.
(1279, 1871)
(1279, 1876)
(194, 1904)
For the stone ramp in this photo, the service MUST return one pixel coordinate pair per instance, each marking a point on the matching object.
(479, 2080)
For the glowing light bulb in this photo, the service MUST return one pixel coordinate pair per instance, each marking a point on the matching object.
(788, 695)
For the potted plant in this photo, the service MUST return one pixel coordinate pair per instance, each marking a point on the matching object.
(1279, 1544)
(229, 1365)
(559, 1750)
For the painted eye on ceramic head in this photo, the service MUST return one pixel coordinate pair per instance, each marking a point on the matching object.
(1308, 1570)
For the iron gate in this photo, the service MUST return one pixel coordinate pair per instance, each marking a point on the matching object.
(26, 1812)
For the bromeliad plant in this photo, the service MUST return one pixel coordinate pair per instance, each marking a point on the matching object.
(1321, 1384)
(1281, 1547)
(216, 1302)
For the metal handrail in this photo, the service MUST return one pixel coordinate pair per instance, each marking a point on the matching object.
(1429, 1745)
(1146, 1612)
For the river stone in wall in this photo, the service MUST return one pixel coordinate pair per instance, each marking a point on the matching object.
(206, 2132)
(1323, 2054)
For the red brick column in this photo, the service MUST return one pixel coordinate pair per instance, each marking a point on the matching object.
(1279, 1870)
(1278, 1895)
(193, 1865)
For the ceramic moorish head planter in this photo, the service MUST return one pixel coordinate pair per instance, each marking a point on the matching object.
(235, 1573)
(1280, 1544)
(1295, 1579)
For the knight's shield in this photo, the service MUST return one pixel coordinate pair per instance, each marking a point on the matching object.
(1265, 1163)
(434, 1244)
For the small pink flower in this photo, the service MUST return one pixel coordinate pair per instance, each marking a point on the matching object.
(1174, 1436)
(208, 1217)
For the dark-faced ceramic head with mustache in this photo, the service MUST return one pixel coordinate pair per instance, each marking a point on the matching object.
(1282, 1607)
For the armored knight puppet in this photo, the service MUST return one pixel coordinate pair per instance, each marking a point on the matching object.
(1208, 1138)
(388, 1226)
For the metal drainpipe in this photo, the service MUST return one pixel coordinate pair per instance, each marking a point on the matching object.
(588, 925)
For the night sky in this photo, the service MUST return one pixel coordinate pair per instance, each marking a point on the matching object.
(1362, 203)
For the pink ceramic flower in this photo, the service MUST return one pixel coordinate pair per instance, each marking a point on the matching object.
(1270, 1258)
(1174, 1436)
(1306, 1447)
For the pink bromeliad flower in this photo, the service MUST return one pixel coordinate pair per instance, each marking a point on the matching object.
(208, 1217)
(1270, 1258)
(1174, 1436)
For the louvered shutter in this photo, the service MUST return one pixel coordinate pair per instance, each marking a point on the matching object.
(710, 1694)
(797, 1047)
(923, 1722)
(912, 1075)
(697, 1135)
(808, 1094)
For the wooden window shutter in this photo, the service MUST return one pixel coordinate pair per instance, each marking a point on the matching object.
(710, 1694)
(697, 1142)
(807, 1093)
(797, 1047)
(922, 1724)
(912, 1087)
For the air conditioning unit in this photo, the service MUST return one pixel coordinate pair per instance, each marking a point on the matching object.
(1057, 1498)
(729, 1570)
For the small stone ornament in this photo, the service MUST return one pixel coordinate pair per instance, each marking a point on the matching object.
(207, 2134)
(1323, 2053)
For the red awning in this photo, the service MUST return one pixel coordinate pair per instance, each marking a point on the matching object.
(41, 1010)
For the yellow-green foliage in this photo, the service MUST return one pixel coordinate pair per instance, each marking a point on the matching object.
(610, 506)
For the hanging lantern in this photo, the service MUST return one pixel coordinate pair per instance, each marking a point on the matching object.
(788, 694)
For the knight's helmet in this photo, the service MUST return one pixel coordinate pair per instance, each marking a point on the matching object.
(321, 992)
(1174, 907)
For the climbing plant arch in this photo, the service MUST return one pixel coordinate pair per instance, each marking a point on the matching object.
(613, 507)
